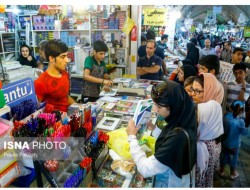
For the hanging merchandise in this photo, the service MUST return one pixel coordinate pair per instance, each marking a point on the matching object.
(134, 34)
(128, 25)
(2, 8)
(50, 9)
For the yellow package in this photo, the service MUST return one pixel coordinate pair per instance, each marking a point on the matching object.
(128, 25)
(118, 141)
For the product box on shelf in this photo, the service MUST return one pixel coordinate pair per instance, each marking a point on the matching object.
(106, 177)
(7, 158)
(9, 175)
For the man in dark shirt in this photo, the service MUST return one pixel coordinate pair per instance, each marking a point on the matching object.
(163, 44)
(148, 67)
(158, 51)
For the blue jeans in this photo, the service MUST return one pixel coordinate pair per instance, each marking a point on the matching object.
(230, 159)
(161, 180)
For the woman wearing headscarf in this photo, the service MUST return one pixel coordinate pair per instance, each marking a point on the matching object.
(183, 72)
(192, 53)
(26, 58)
(207, 93)
(173, 161)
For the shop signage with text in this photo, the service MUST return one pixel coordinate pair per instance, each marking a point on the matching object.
(156, 17)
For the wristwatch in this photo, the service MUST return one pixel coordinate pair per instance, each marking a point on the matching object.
(131, 137)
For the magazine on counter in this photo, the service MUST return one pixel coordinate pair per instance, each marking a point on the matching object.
(111, 93)
(142, 115)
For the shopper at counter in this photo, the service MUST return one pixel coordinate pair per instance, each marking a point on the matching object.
(163, 44)
(95, 73)
(211, 64)
(52, 86)
(172, 162)
(26, 58)
(158, 51)
(207, 93)
(183, 72)
(148, 67)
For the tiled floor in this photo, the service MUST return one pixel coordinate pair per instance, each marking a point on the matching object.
(243, 169)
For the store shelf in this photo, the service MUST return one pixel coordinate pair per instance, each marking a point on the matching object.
(74, 30)
(45, 30)
(4, 110)
(7, 32)
(107, 30)
(8, 52)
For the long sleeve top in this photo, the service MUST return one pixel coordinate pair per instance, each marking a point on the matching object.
(233, 129)
(150, 166)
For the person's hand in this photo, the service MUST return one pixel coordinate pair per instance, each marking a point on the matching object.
(176, 71)
(106, 88)
(131, 129)
(243, 82)
(151, 126)
(39, 73)
(108, 82)
(29, 58)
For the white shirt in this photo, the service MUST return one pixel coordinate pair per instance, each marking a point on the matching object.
(150, 166)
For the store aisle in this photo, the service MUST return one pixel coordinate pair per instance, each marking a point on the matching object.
(243, 168)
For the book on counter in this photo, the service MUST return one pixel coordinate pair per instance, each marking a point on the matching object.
(111, 93)
(142, 115)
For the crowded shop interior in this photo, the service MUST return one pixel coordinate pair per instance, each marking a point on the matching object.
(124, 96)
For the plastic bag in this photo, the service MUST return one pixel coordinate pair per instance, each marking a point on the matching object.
(128, 25)
(124, 167)
(118, 141)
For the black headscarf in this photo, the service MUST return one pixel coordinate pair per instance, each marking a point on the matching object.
(189, 70)
(25, 61)
(171, 148)
(189, 62)
(192, 53)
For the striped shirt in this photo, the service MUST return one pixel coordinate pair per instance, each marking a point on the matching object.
(233, 91)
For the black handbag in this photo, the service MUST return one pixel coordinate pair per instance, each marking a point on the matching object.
(189, 154)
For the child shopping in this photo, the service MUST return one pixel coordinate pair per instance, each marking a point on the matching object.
(234, 127)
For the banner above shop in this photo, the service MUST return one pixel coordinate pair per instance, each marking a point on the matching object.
(217, 9)
(155, 17)
(246, 32)
(50, 9)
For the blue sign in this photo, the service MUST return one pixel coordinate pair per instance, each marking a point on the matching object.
(19, 91)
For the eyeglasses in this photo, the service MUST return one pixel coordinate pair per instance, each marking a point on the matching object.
(196, 91)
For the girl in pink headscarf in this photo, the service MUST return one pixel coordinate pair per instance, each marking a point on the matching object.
(208, 93)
